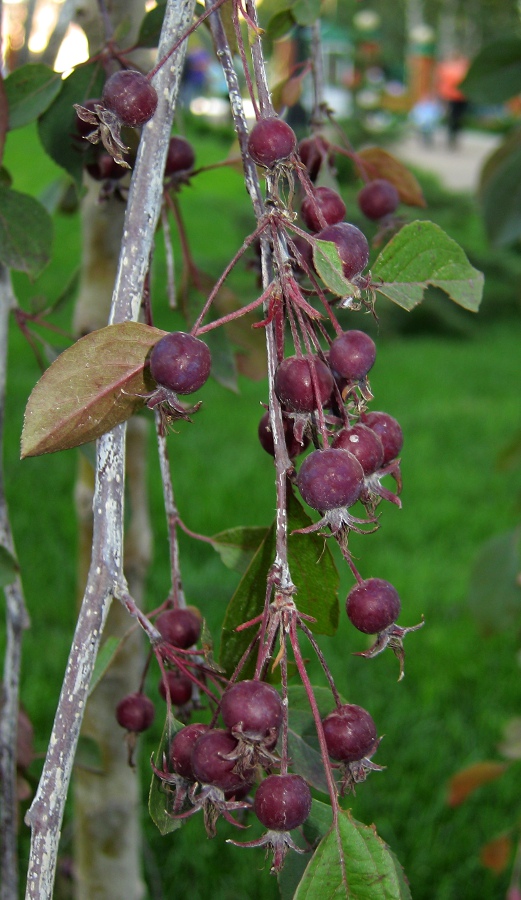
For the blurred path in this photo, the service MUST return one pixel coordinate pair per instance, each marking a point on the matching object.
(458, 168)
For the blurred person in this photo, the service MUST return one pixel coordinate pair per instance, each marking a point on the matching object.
(450, 73)
(426, 115)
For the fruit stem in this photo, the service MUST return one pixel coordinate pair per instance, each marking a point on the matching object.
(316, 716)
(172, 515)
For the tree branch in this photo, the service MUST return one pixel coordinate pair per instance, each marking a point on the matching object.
(106, 575)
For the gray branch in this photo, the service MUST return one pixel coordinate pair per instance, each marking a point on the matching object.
(106, 574)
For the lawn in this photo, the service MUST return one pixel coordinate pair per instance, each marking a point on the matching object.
(457, 399)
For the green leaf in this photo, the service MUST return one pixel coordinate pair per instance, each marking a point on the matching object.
(314, 574)
(224, 368)
(30, 91)
(92, 386)
(329, 267)
(159, 798)
(500, 192)
(57, 126)
(306, 12)
(26, 233)
(279, 24)
(237, 546)
(150, 28)
(353, 862)
(421, 254)
(106, 655)
(317, 824)
(495, 73)
(495, 582)
(8, 567)
(304, 749)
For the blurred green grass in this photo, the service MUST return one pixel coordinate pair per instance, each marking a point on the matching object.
(458, 403)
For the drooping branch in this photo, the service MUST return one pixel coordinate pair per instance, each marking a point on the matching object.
(106, 572)
(253, 187)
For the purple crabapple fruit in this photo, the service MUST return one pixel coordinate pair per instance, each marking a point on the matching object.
(352, 354)
(350, 733)
(314, 151)
(293, 446)
(329, 203)
(179, 627)
(181, 749)
(271, 141)
(180, 362)
(388, 430)
(135, 712)
(294, 383)
(373, 605)
(180, 156)
(253, 706)
(364, 444)
(130, 96)
(330, 479)
(179, 687)
(378, 198)
(305, 248)
(352, 246)
(209, 762)
(282, 802)
(105, 167)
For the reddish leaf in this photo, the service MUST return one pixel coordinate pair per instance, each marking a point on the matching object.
(380, 164)
(465, 782)
(91, 387)
(496, 854)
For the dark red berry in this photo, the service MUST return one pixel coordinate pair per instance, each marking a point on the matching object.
(179, 627)
(271, 140)
(373, 605)
(389, 432)
(209, 762)
(181, 749)
(131, 96)
(364, 444)
(351, 244)
(301, 248)
(254, 706)
(294, 383)
(105, 167)
(330, 479)
(282, 802)
(314, 152)
(379, 198)
(179, 687)
(293, 446)
(180, 362)
(350, 733)
(135, 712)
(330, 205)
(180, 156)
(352, 354)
